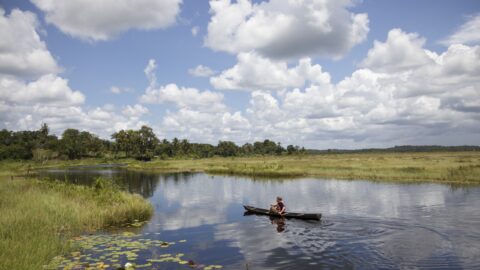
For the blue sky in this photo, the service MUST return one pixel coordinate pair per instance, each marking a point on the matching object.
(323, 74)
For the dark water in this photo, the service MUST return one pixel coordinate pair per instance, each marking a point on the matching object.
(365, 225)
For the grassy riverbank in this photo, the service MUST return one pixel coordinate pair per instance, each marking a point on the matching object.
(441, 167)
(38, 217)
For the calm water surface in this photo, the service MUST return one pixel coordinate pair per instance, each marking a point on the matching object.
(365, 225)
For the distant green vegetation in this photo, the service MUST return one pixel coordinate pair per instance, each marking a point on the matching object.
(140, 144)
(441, 167)
(38, 217)
(144, 145)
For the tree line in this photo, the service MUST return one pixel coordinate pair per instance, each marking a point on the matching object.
(140, 144)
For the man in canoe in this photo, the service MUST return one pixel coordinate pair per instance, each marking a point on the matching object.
(278, 207)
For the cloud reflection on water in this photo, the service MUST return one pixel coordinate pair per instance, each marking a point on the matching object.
(390, 224)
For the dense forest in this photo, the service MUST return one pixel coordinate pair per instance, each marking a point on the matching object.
(141, 144)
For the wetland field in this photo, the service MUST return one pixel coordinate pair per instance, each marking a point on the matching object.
(439, 167)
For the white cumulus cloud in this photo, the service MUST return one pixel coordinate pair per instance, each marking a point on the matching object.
(207, 127)
(136, 110)
(22, 52)
(49, 89)
(285, 29)
(200, 116)
(468, 33)
(254, 72)
(401, 51)
(102, 20)
(183, 97)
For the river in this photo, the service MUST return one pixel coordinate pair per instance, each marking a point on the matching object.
(365, 224)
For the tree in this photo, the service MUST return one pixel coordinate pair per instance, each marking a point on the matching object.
(92, 145)
(175, 146)
(44, 130)
(121, 141)
(164, 149)
(71, 145)
(24, 142)
(206, 150)
(279, 150)
(269, 147)
(247, 149)
(291, 149)
(146, 140)
(127, 141)
(185, 147)
(140, 144)
(258, 148)
(226, 149)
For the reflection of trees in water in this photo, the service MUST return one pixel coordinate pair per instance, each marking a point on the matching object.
(141, 182)
(145, 183)
(137, 182)
(178, 177)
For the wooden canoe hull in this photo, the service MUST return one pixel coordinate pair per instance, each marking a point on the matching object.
(267, 212)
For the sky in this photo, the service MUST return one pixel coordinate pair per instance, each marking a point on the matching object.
(315, 73)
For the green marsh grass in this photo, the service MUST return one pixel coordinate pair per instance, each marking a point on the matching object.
(38, 217)
(441, 167)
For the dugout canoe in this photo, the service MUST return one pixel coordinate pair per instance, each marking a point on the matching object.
(267, 212)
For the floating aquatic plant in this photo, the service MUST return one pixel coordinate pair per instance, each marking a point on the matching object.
(122, 251)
